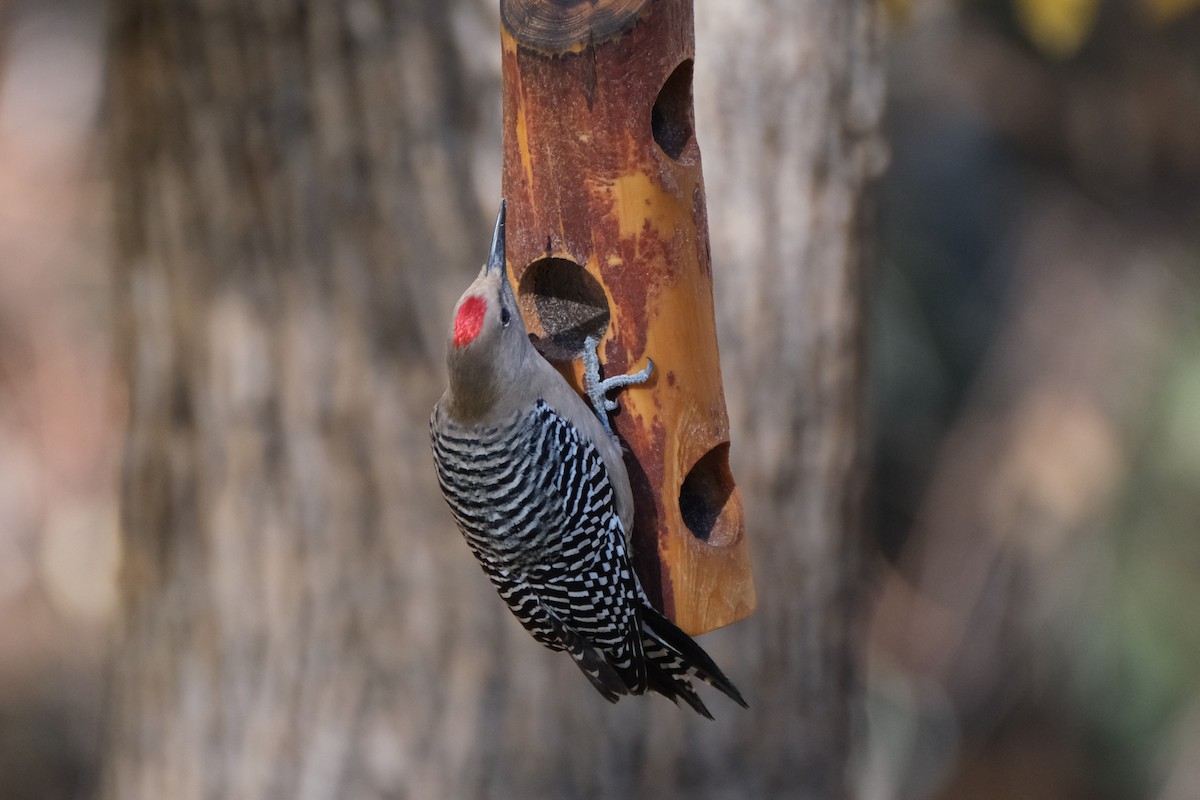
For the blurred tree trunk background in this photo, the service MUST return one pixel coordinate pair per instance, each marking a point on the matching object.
(297, 190)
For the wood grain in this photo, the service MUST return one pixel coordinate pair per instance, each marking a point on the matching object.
(568, 25)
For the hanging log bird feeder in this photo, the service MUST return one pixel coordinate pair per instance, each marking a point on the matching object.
(608, 238)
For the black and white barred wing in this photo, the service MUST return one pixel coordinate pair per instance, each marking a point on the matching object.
(535, 504)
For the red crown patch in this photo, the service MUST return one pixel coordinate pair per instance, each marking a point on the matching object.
(469, 320)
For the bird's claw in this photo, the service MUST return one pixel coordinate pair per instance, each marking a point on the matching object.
(597, 389)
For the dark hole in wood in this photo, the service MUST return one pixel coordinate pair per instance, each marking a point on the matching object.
(705, 493)
(569, 304)
(671, 117)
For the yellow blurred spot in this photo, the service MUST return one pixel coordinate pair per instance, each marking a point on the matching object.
(898, 11)
(1058, 27)
(1163, 11)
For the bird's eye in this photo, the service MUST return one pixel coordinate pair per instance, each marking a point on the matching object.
(504, 317)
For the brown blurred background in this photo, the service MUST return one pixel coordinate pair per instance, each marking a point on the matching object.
(1035, 385)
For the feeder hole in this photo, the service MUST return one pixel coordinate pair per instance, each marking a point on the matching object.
(704, 496)
(671, 117)
(566, 303)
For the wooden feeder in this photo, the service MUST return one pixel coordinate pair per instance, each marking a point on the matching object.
(608, 236)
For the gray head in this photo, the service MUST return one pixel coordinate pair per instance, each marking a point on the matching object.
(487, 345)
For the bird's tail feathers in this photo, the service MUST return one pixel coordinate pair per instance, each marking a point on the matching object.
(667, 675)
(591, 662)
(672, 658)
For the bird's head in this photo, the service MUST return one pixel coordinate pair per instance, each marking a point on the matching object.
(487, 342)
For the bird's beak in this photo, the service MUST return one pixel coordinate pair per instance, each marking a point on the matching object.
(495, 262)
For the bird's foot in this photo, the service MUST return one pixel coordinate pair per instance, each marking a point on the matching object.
(597, 389)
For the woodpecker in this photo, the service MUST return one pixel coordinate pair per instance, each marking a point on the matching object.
(536, 483)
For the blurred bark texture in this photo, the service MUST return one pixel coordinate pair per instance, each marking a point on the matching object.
(295, 215)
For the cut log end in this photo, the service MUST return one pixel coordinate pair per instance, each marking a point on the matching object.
(560, 26)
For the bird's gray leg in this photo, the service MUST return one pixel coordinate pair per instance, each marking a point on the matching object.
(598, 389)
